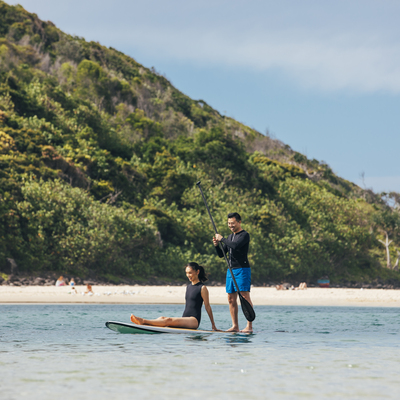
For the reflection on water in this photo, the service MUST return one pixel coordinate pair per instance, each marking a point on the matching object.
(202, 337)
(238, 338)
(233, 338)
(295, 352)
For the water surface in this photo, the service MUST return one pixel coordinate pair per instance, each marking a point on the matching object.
(57, 351)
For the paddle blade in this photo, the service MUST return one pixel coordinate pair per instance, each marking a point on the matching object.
(247, 309)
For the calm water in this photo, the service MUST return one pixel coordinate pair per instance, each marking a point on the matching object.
(65, 351)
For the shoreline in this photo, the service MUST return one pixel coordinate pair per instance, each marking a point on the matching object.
(176, 295)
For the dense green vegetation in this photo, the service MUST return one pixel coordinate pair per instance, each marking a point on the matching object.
(99, 157)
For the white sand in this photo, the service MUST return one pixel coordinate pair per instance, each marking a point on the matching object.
(176, 295)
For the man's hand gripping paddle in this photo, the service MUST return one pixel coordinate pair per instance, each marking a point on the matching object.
(247, 309)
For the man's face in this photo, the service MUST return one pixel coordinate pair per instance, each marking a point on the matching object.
(234, 226)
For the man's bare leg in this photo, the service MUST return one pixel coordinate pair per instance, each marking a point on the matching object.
(233, 309)
(249, 327)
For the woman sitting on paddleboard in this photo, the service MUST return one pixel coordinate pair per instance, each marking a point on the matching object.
(196, 293)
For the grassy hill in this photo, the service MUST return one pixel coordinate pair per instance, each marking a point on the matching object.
(99, 156)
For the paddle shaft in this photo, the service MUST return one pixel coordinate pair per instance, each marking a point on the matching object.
(220, 245)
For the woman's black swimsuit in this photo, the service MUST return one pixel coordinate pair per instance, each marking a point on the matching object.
(194, 301)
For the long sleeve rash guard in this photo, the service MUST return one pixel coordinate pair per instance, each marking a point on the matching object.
(237, 246)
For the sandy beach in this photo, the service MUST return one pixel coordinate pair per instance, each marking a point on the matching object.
(176, 295)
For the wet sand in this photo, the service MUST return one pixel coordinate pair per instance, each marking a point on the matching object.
(176, 295)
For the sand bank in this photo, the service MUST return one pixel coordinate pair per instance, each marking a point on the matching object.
(176, 295)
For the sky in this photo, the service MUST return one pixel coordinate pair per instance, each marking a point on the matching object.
(321, 76)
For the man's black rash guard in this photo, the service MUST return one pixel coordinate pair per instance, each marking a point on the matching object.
(237, 245)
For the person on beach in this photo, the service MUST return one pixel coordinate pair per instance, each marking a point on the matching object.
(89, 289)
(72, 282)
(237, 245)
(196, 294)
(60, 281)
(302, 286)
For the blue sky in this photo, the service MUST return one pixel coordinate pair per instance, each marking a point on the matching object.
(321, 76)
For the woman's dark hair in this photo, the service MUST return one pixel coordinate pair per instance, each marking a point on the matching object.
(235, 215)
(197, 267)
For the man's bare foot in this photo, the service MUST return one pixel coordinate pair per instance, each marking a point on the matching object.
(136, 320)
(246, 331)
(233, 329)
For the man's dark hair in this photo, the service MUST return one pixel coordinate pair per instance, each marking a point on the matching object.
(235, 215)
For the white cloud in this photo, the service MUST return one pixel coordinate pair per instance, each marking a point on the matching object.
(335, 63)
(328, 45)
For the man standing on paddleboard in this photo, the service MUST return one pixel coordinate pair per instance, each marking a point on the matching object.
(237, 246)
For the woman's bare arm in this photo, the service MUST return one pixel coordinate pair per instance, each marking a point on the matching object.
(205, 296)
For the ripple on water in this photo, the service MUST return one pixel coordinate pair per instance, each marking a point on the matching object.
(295, 352)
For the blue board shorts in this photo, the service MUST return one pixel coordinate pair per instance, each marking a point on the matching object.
(243, 279)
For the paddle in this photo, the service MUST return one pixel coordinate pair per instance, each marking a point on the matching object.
(247, 309)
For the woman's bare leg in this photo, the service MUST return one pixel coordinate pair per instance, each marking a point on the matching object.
(183, 322)
(140, 321)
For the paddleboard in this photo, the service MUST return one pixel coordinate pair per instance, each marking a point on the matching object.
(123, 327)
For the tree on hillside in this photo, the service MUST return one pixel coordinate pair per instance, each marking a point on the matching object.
(388, 222)
(98, 162)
